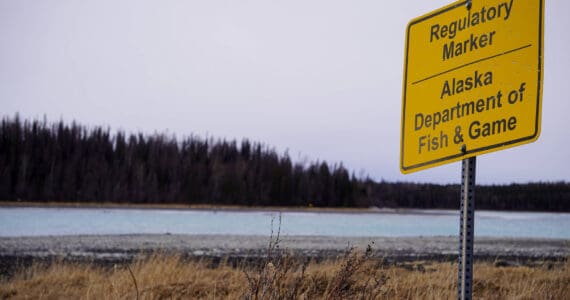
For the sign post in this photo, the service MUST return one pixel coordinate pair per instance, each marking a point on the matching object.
(472, 85)
(466, 225)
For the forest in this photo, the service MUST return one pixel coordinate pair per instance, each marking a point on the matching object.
(59, 162)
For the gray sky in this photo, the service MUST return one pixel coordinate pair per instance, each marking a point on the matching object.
(319, 78)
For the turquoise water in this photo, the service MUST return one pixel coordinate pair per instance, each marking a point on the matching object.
(73, 221)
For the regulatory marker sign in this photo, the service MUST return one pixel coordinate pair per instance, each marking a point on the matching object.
(472, 81)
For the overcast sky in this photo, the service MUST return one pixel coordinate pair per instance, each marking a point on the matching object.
(319, 78)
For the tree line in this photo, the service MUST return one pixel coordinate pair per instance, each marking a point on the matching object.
(59, 162)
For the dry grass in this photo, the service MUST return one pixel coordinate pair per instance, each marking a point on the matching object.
(354, 276)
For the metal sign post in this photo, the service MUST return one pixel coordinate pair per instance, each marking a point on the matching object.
(467, 225)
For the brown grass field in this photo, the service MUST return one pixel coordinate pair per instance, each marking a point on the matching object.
(354, 276)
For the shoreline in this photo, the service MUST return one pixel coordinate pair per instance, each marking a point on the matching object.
(109, 250)
(237, 208)
(240, 208)
(228, 208)
(92, 246)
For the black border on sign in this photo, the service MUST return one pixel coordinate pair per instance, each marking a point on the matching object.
(469, 153)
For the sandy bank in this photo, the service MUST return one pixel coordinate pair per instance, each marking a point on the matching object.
(121, 246)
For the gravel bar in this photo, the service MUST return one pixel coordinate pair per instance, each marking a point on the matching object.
(398, 248)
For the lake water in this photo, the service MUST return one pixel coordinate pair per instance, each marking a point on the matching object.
(72, 221)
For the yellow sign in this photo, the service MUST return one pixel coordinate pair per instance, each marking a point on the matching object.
(472, 81)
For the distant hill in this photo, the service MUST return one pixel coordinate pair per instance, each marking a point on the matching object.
(41, 162)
